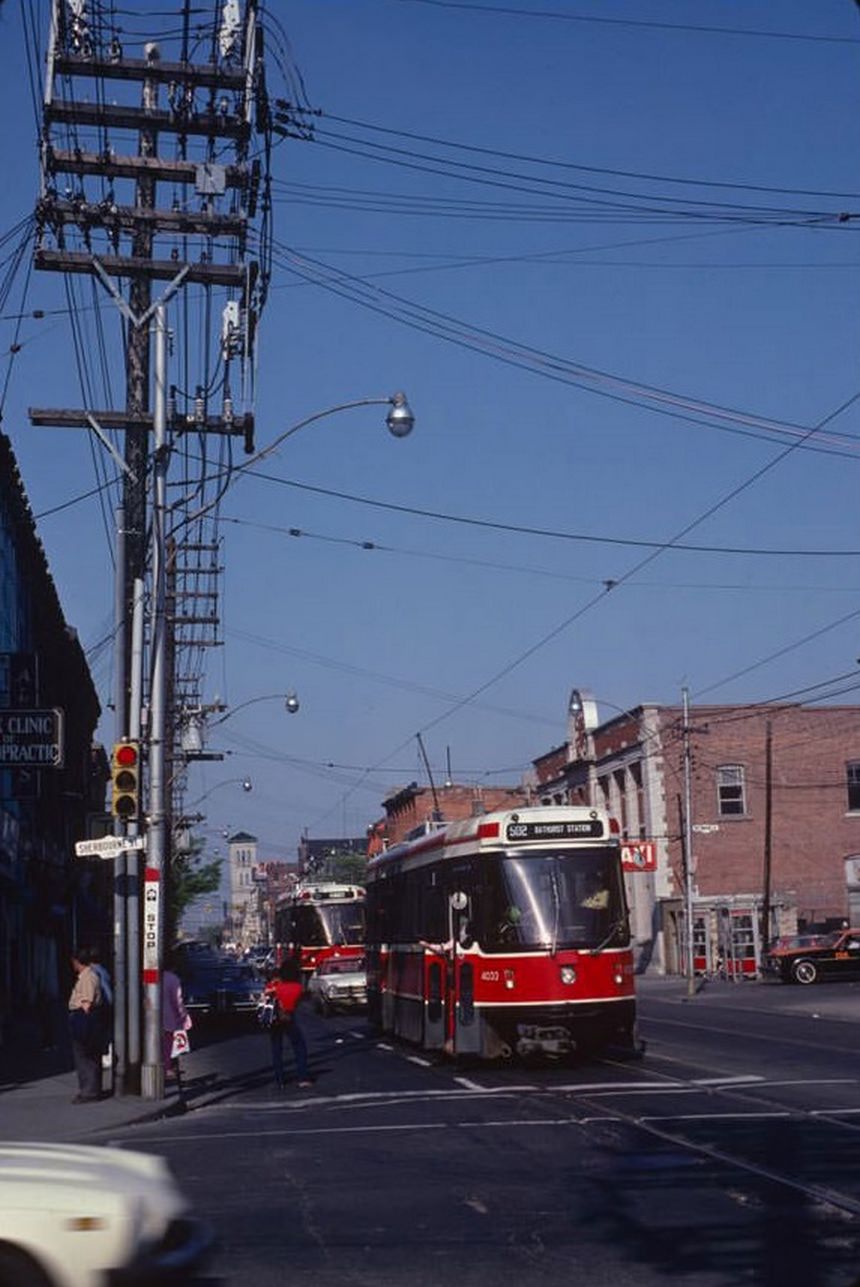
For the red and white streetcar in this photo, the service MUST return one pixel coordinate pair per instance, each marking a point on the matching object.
(503, 934)
(317, 920)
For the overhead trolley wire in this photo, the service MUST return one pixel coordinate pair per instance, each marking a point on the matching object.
(551, 533)
(600, 598)
(495, 566)
(700, 518)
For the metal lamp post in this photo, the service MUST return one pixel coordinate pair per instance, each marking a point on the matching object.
(400, 422)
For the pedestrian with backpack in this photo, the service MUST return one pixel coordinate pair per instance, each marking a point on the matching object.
(284, 991)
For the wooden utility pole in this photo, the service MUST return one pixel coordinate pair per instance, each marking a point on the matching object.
(688, 846)
(768, 837)
(106, 116)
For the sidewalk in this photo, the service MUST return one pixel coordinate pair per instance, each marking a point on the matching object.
(838, 1002)
(37, 1087)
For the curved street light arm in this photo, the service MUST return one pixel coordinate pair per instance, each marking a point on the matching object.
(399, 420)
(290, 700)
(246, 784)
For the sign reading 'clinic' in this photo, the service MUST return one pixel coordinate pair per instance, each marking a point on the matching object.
(31, 738)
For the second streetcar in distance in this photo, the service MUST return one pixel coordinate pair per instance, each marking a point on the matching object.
(504, 934)
(317, 920)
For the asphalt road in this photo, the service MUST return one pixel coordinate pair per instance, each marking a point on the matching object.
(729, 1155)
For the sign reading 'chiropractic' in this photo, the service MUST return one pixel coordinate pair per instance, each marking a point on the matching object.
(31, 739)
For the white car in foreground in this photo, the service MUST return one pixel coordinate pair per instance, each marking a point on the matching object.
(83, 1216)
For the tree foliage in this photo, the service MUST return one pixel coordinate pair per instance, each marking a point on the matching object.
(189, 878)
(349, 868)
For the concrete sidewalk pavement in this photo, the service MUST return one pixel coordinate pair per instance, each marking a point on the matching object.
(37, 1088)
(838, 1002)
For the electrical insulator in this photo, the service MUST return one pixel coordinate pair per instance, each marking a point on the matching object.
(199, 406)
(228, 409)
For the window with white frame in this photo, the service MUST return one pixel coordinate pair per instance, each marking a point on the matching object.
(852, 775)
(731, 792)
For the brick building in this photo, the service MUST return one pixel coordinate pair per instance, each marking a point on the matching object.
(633, 765)
(410, 807)
(316, 856)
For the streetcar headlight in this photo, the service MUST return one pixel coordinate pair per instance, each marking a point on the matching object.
(568, 974)
(510, 979)
(618, 976)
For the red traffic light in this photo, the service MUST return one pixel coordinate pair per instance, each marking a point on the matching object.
(125, 755)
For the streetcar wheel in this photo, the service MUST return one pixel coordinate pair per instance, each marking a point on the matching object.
(804, 972)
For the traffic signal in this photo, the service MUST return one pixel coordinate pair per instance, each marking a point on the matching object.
(125, 780)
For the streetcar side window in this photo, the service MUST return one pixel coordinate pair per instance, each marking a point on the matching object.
(434, 917)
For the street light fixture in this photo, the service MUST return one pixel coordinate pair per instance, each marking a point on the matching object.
(400, 421)
(245, 783)
(290, 700)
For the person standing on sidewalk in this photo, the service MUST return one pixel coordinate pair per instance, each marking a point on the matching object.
(105, 1010)
(174, 1017)
(286, 988)
(85, 1028)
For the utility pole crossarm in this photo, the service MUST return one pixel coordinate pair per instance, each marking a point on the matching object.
(166, 73)
(112, 166)
(76, 261)
(106, 116)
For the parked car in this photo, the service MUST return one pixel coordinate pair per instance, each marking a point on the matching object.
(821, 956)
(85, 1216)
(216, 985)
(338, 983)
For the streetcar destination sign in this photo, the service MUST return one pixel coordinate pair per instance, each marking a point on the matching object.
(31, 739)
(589, 827)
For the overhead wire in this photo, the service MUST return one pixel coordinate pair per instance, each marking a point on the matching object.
(590, 206)
(495, 565)
(359, 672)
(599, 598)
(556, 163)
(6, 287)
(551, 366)
(564, 16)
(551, 533)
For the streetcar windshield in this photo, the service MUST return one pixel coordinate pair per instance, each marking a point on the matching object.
(330, 925)
(551, 899)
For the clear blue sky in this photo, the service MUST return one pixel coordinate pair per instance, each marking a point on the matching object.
(634, 277)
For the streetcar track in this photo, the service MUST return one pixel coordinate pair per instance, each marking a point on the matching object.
(820, 1193)
(766, 1110)
(736, 1090)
